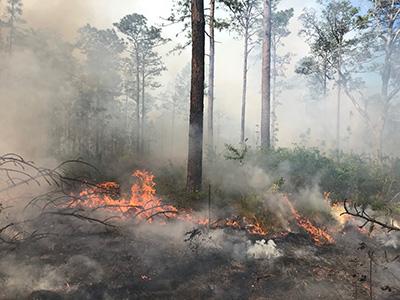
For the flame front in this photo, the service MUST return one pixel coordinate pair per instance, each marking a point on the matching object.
(142, 203)
(319, 236)
(338, 212)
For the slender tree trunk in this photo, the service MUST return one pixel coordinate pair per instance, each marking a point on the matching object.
(173, 128)
(381, 132)
(138, 122)
(325, 77)
(211, 73)
(386, 74)
(274, 95)
(97, 120)
(266, 78)
(127, 133)
(12, 29)
(195, 154)
(339, 100)
(244, 87)
(143, 120)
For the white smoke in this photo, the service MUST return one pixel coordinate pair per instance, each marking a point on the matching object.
(263, 250)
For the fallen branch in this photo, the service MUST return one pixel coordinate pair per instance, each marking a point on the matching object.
(79, 216)
(359, 212)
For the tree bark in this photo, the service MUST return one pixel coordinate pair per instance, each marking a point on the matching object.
(211, 73)
(266, 78)
(195, 153)
(244, 87)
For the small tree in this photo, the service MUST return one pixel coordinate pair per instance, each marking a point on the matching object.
(101, 85)
(383, 39)
(176, 101)
(332, 39)
(146, 64)
(245, 20)
(280, 23)
(14, 13)
(180, 99)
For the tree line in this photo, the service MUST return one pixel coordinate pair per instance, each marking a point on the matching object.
(344, 43)
(106, 83)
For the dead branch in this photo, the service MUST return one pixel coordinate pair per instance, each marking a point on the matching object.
(5, 227)
(165, 213)
(77, 215)
(12, 165)
(359, 212)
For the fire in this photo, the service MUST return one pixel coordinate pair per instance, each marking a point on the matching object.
(337, 211)
(250, 225)
(319, 236)
(256, 229)
(142, 203)
(343, 219)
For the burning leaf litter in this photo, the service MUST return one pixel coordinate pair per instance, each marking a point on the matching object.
(143, 205)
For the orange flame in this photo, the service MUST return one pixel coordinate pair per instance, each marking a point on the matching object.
(252, 226)
(142, 202)
(337, 211)
(319, 236)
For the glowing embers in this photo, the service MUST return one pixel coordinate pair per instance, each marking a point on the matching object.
(250, 225)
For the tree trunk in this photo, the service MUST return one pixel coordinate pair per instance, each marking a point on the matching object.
(142, 129)
(244, 87)
(12, 28)
(127, 133)
(97, 120)
(339, 100)
(211, 72)
(325, 76)
(266, 78)
(385, 77)
(195, 153)
(138, 123)
(274, 95)
(173, 128)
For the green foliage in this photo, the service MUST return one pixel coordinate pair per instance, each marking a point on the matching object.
(233, 153)
(353, 177)
(360, 179)
(333, 38)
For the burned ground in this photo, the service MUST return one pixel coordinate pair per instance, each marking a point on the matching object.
(150, 263)
(103, 243)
